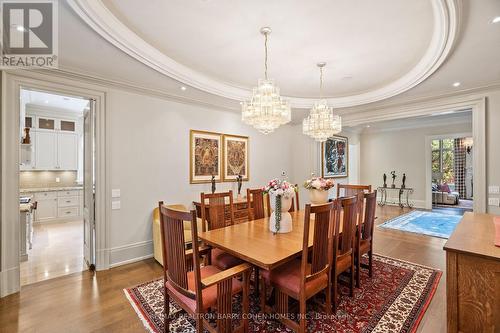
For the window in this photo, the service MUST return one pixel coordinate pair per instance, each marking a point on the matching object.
(443, 159)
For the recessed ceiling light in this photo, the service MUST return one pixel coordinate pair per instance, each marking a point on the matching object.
(183, 88)
(241, 103)
(367, 126)
(496, 20)
(456, 84)
(46, 101)
(20, 28)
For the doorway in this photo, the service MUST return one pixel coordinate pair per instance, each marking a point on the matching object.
(452, 174)
(56, 184)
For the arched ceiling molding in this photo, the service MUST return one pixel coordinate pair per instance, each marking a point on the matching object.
(102, 20)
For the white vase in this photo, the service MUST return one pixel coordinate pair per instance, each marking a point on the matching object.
(286, 218)
(318, 197)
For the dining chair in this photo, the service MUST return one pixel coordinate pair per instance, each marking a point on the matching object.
(303, 278)
(215, 210)
(258, 204)
(295, 202)
(344, 243)
(204, 288)
(350, 190)
(365, 235)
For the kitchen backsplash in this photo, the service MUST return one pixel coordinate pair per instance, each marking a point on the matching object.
(41, 179)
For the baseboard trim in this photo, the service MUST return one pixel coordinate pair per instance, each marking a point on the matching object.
(130, 261)
(126, 254)
(9, 281)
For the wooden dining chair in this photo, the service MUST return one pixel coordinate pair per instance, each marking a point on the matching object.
(215, 210)
(204, 288)
(303, 278)
(365, 235)
(344, 238)
(258, 204)
(350, 190)
(295, 202)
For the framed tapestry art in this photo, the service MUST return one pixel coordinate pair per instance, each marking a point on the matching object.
(235, 157)
(205, 156)
(334, 157)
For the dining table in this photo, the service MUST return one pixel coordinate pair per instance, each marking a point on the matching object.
(254, 243)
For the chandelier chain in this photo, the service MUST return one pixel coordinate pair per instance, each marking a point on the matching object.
(321, 82)
(265, 55)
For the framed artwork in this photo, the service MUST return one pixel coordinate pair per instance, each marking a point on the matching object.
(205, 157)
(235, 157)
(334, 157)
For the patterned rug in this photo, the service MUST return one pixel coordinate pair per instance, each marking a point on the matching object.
(393, 300)
(423, 222)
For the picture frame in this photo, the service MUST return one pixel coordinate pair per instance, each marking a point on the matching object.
(205, 156)
(236, 157)
(335, 157)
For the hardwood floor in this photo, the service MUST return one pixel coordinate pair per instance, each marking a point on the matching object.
(86, 302)
(57, 251)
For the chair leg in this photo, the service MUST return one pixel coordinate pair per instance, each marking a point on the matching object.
(166, 312)
(303, 319)
(199, 324)
(262, 294)
(328, 303)
(335, 294)
(352, 277)
(370, 263)
(358, 269)
(246, 299)
(257, 280)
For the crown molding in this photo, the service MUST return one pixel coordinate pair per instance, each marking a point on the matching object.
(411, 124)
(73, 74)
(101, 20)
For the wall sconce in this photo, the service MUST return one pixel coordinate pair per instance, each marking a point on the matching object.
(468, 143)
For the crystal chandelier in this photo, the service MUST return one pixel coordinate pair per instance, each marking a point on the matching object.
(266, 110)
(321, 122)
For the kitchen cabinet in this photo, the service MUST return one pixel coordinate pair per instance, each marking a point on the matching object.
(67, 151)
(58, 205)
(46, 206)
(46, 150)
(56, 151)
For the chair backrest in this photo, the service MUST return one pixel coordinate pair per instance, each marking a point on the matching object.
(369, 218)
(295, 202)
(346, 190)
(172, 236)
(322, 250)
(350, 207)
(256, 202)
(217, 205)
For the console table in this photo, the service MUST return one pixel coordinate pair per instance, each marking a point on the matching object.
(404, 194)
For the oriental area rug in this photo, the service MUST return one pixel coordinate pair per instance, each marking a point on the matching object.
(393, 300)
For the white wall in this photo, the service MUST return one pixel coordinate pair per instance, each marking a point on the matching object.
(149, 147)
(306, 158)
(404, 152)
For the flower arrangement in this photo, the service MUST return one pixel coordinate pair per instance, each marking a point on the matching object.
(280, 188)
(281, 193)
(318, 183)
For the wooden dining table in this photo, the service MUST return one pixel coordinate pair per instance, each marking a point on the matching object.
(253, 242)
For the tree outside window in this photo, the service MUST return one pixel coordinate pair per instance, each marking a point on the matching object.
(443, 159)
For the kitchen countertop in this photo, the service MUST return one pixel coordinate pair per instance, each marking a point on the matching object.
(49, 189)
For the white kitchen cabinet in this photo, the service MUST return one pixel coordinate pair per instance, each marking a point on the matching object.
(46, 150)
(67, 151)
(46, 209)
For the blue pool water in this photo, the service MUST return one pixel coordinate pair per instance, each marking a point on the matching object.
(427, 223)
